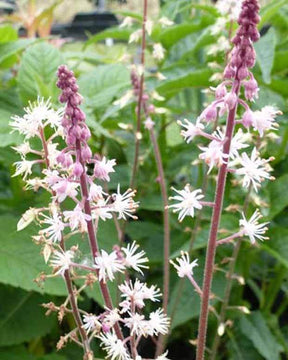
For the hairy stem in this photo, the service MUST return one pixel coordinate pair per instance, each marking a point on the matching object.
(139, 105)
(157, 154)
(92, 236)
(215, 221)
(67, 278)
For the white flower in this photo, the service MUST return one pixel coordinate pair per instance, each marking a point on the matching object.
(252, 228)
(149, 123)
(103, 168)
(159, 322)
(137, 293)
(137, 324)
(27, 218)
(37, 115)
(135, 36)
(123, 204)
(191, 130)
(165, 22)
(112, 317)
(127, 22)
(184, 267)
(149, 26)
(213, 155)
(115, 348)
(133, 259)
(23, 149)
(163, 356)
(265, 119)
(102, 210)
(23, 167)
(96, 192)
(52, 154)
(54, 231)
(219, 26)
(187, 201)
(64, 188)
(124, 100)
(254, 169)
(237, 143)
(222, 45)
(232, 8)
(158, 52)
(91, 323)
(77, 219)
(61, 261)
(108, 264)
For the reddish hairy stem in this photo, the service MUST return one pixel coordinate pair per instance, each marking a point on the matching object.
(157, 154)
(92, 236)
(211, 249)
(139, 104)
(67, 278)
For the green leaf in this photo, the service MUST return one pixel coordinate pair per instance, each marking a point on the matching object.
(255, 328)
(37, 73)
(179, 78)
(276, 190)
(21, 316)
(175, 33)
(280, 61)
(270, 9)
(20, 259)
(265, 50)
(114, 33)
(11, 48)
(15, 353)
(278, 244)
(103, 84)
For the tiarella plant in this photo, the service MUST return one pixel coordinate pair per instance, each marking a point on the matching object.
(74, 178)
(224, 152)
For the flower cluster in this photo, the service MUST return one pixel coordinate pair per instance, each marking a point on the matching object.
(74, 178)
(235, 150)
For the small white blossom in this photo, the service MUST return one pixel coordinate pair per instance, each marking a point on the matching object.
(222, 45)
(96, 192)
(27, 218)
(64, 188)
(252, 228)
(112, 317)
(133, 259)
(23, 149)
(124, 100)
(232, 8)
(23, 167)
(108, 265)
(158, 52)
(264, 119)
(61, 261)
(91, 323)
(184, 266)
(77, 219)
(219, 26)
(115, 348)
(102, 210)
(165, 22)
(213, 155)
(123, 204)
(149, 26)
(159, 322)
(254, 169)
(137, 324)
(127, 22)
(188, 201)
(191, 130)
(135, 36)
(149, 123)
(103, 168)
(54, 231)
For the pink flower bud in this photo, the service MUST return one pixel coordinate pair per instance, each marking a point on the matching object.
(251, 89)
(242, 73)
(209, 114)
(230, 100)
(86, 153)
(221, 91)
(247, 119)
(77, 169)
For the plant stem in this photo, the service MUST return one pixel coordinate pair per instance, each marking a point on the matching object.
(215, 221)
(159, 163)
(92, 236)
(139, 105)
(67, 278)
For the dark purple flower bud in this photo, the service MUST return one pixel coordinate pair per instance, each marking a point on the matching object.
(85, 133)
(242, 73)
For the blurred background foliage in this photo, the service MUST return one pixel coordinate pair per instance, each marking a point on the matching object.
(28, 69)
